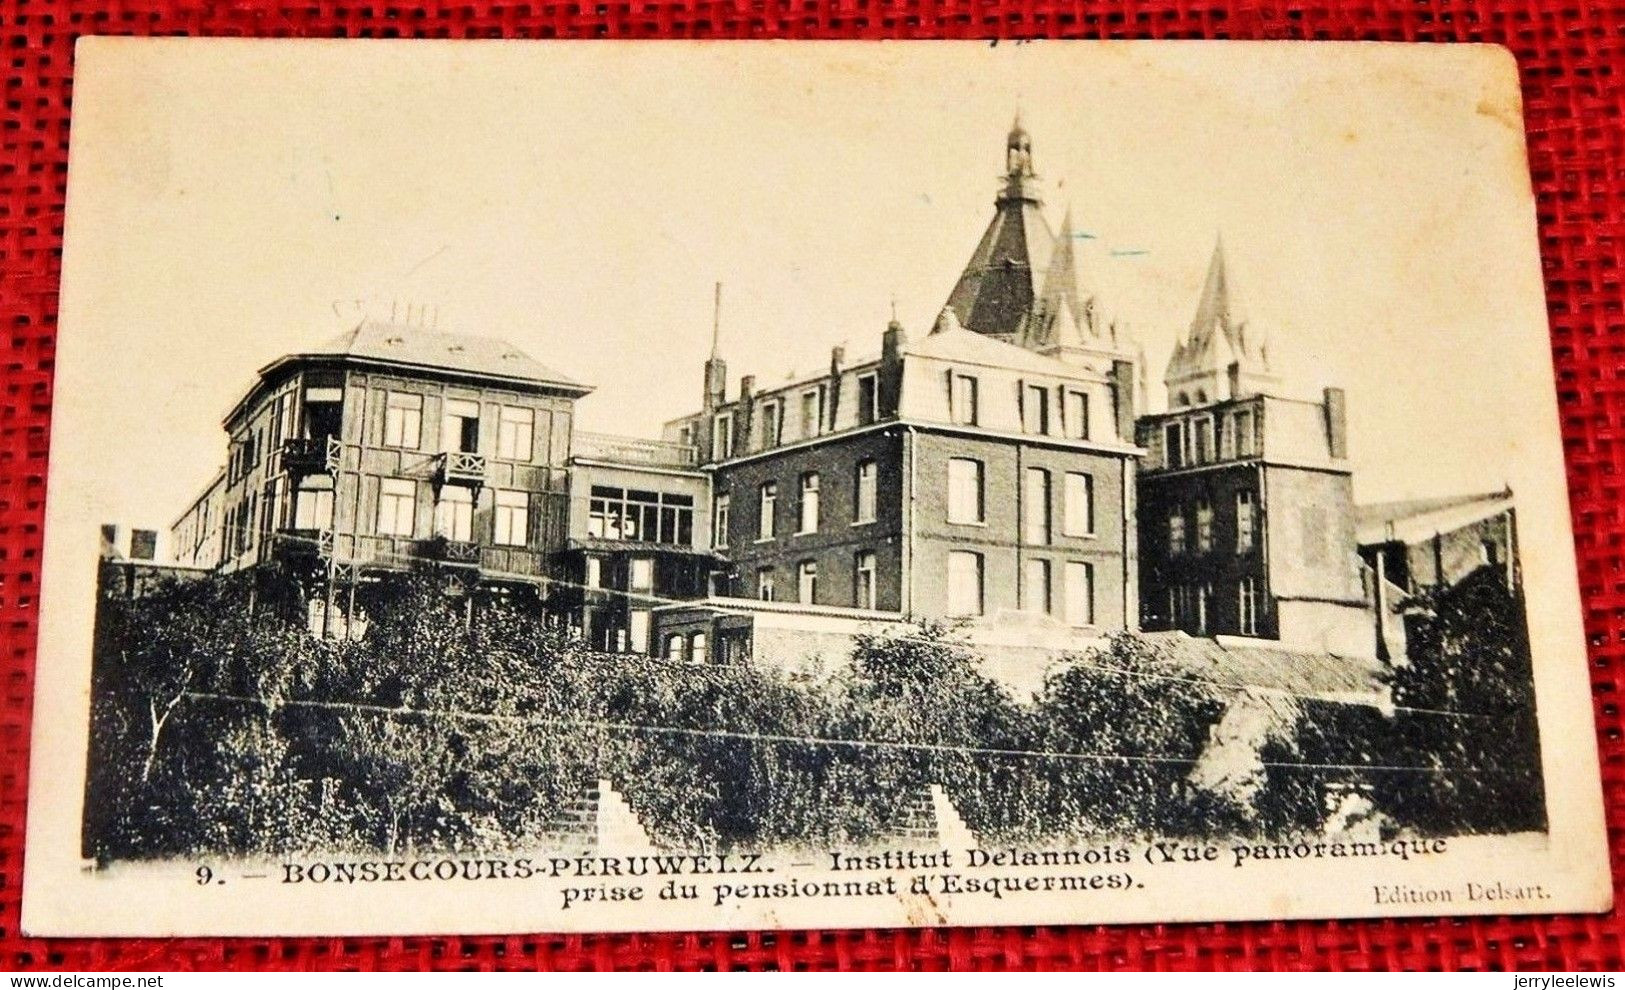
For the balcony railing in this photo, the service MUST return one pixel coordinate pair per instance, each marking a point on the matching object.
(458, 551)
(298, 542)
(457, 467)
(633, 450)
(311, 455)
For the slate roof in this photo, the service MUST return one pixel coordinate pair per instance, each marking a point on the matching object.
(952, 342)
(996, 292)
(417, 347)
(1293, 671)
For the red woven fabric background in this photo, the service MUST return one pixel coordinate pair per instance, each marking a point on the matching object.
(1572, 56)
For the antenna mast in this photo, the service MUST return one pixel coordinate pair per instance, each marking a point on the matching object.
(716, 321)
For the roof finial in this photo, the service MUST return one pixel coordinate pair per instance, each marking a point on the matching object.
(1018, 149)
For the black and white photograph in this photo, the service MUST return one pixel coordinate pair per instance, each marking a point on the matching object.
(617, 486)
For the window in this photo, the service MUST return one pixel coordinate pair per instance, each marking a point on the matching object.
(313, 503)
(638, 628)
(674, 647)
(807, 582)
(595, 572)
(769, 503)
(1202, 440)
(640, 574)
(863, 496)
(722, 436)
(1080, 593)
(697, 648)
(1204, 593)
(764, 584)
(516, 429)
(641, 516)
(1079, 518)
(962, 399)
(964, 583)
(964, 490)
(772, 422)
(719, 520)
(1034, 409)
(1244, 521)
(868, 400)
(863, 580)
(809, 503)
(324, 412)
(403, 420)
(1075, 414)
(1204, 525)
(1247, 606)
(1176, 533)
(512, 519)
(1241, 424)
(1173, 445)
(1035, 507)
(812, 412)
(454, 513)
(397, 502)
(463, 425)
(1035, 586)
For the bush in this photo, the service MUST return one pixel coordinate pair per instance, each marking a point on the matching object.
(220, 726)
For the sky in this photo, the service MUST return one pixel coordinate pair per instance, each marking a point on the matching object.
(232, 201)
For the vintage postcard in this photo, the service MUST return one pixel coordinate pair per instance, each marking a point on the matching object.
(568, 487)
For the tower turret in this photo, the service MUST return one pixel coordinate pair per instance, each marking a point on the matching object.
(1222, 356)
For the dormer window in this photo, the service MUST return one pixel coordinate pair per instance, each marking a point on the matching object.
(1035, 409)
(962, 399)
(812, 412)
(722, 436)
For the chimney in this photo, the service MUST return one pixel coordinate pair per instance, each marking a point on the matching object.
(1337, 443)
(890, 379)
(1122, 377)
(143, 544)
(832, 406)
(744, 412)
(1234, 372)
(112, 536)
(716, 382)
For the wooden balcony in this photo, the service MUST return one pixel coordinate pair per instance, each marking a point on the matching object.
(457, 467)
(310, 455)
(293, 543)
(461, 553)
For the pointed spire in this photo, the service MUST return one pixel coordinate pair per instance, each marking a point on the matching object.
(1220, 354)
(998, 289)
(1213, 306)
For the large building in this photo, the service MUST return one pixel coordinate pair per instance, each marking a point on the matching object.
(1246, 495)
(982, 469)
(390, 445)
(995, 469)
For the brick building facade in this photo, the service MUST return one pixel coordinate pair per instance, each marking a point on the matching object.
(998, 466)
